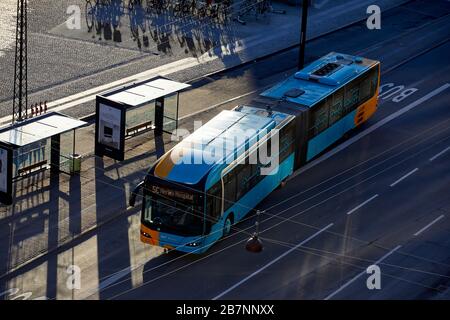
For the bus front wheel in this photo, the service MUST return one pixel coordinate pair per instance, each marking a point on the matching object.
(282, 184)
(227, 226)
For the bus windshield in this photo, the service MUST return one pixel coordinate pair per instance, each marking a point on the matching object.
(173, 215)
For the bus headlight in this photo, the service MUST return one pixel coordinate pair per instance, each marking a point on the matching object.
(193, 244)
(145, 234)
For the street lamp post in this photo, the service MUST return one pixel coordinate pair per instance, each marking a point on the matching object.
(301, 55)
(254, 244)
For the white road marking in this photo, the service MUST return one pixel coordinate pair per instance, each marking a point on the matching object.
(369, 130)
(113, 278)
(404, 177)
(271, 262)
(440, 153)
(117, 276)
(360, 274)
(362, 204)
(429, 225)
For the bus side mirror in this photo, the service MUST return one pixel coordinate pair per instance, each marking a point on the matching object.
(134, 194)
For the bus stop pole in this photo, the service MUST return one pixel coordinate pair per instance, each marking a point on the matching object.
(55, 154)
(159, 116)
(301, 56)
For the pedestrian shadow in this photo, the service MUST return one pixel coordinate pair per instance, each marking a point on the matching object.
(164, 31)
(32, 225)
(74, 202)
(53, 235)
(110, 197)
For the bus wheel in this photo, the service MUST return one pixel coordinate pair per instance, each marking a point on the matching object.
(282, 184)
(227, 226)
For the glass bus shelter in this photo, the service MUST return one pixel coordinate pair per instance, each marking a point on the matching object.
(134, 109)
(36, 144)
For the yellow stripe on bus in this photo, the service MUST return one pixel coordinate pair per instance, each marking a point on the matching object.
(164, 166)
(169, 160)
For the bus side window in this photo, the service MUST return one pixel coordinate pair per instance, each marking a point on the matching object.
(214, 206)
(374, 79)
(255, 176)
(265, 150)
(230, 190)
(320, 117)
(365, 92)
(243, 180)
(368, 85)
(287, 139)
(336, 107)
(351, 96)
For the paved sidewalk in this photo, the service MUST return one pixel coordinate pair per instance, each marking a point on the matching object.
(65, 62)
(50, 211)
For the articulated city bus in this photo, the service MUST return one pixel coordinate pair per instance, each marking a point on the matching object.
(214, 177)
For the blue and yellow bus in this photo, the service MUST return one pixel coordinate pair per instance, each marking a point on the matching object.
(189, 204)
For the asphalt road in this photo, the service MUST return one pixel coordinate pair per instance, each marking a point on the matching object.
(328, 194)
(383, 199)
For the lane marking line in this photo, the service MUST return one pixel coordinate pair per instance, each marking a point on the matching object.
(369, 130)
(271, 262)
(362, 204)
(429, 225)
(113, 278)
(404, 177)
(440, 153)
(361, 274)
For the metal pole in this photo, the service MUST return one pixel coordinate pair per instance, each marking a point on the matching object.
(258, 216)
(20, 101)
(301, 55)
(254, 244)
